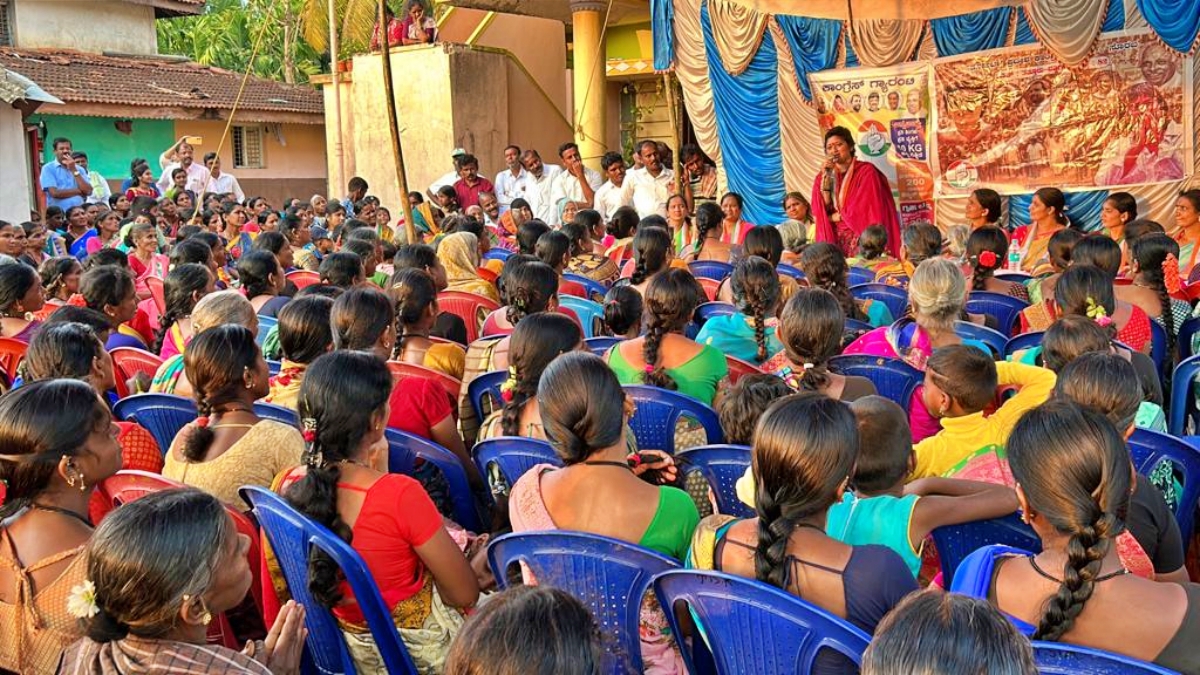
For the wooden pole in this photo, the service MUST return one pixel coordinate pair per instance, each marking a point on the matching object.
(673, 112)
(339, 153)
(394, 125)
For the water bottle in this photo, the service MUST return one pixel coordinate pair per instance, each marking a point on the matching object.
(1014, 256)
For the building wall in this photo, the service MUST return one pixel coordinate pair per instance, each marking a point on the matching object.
(109, 151)
(16, 185)
(85, 25)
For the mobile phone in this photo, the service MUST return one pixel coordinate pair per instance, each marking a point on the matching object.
(193, 140)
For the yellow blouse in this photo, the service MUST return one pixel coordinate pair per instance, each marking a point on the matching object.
(267, 448)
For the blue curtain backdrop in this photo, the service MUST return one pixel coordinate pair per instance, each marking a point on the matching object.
(747, 108)
(662, 30)
(1175, 21)
(1083, 208)
(975, 32)
(814, 45)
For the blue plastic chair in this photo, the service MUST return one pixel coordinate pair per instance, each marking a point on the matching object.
(893, 379)
(1158, 346)
(595, 290)
(789, 271)
(270, 411)
(1183, 402)
(995, 340)
(956, 542)
(484, 386)
(860, 275)
(1005, 308)
(1148, 448)
(710, 269)
(721, 466)
(497, 253)
(163, 415)
(513, 455)
(292, 536)
(1018, 277)
(601, 344)
(973, 576)
(265, 324)
(1187, 332)
(658, 410)
(1056, 658)
(708, 310)
(857, 326)
(1023, 341)
(752, 627)
(896, 299)
(607, 575)
(403, 451)
(274, 367)
(591, 314)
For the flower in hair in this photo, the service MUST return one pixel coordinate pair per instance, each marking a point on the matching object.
(649, 368)
(987, 259)
(202, 421)
(81, 603)
(1170, 270)
(309, 430)
(506, 389)
(3, 491)
(1097, 313)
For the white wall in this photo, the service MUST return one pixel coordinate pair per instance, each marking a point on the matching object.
(15, 182)
(85, 25)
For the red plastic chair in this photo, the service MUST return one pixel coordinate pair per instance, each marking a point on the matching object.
(739, 368)
(470, 307)
(12, 353)
(129, 361)
(303, 278)
(157, 294)
(452, 385)
(711, 287)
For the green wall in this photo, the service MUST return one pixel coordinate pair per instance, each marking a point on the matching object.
(621, 42)
(109, 151)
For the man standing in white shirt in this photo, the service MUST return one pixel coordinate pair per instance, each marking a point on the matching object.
(539, 187)
(576, 183)
(449, 178)
(181, 156)
(511, 182)
(650, 186)
(222, 183)
(612, 196)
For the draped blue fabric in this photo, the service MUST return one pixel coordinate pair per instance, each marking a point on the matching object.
(1083, 208)
(1175, 21)
(814, 45)
(662, 30)
(1115, 19)
(747, 110)
(851, 57)
(973, 32)
(1024, 33)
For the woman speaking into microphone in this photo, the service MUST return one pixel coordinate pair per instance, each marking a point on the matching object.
(849, 196)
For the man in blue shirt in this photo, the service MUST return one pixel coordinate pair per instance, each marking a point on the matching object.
(65, 183)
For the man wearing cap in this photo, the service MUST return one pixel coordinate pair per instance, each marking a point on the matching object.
(449, 178)
(309, 257)
(469, 183)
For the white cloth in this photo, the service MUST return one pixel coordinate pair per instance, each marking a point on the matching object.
(568, 187)
(100, 190)
(447, 179)
(539, 192)
(510, 187)
(649, 193)
(227, 182)
(609, 198)
(197, 178)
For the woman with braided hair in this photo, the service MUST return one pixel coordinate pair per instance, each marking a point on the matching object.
(1154, 266)
(987, 250)
(184, 287)
(709, 229)
(229, 445)
(810, 330)
(388, 518)
(529, 287)
(803, 456)
(652, 253)
(1073, 483)
(414, 292)
(664, 356)
(825, 267)
(750, 334)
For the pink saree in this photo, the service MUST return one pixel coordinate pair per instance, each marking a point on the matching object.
(864, 198)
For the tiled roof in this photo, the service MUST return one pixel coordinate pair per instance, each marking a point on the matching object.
(150, 82)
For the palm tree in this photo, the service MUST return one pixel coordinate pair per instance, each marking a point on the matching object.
(356, 19)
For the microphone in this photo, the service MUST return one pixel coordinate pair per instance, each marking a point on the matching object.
(827, 182)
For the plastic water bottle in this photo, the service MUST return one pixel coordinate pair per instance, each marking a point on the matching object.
(1014, 256)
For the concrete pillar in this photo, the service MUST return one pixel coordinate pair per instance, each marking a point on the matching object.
(589, 90)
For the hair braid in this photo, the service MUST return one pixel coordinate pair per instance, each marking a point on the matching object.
(510, 418)
(201, 438)
(774, 531)
(656, 375)
(760, 330)
(639, 271)
(1086, 549)
(165, 323)
(979, 276)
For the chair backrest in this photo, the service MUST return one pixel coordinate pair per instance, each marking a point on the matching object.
(602, 343)
(1183, 418)
(893, 379)
(292, 536)
(1057, 658)
(856, 326)
(1158, 346)
(157, 293)
(790, 271)
(273, 367)
(739, 368)
(595, 290)
(1187, 332)
(486, 386)
(278, 413)
(896, 299)
(974, 575)
(1148, 448)
(12, 353)
(711, 287)
(710, 269)
(607, 575)
(513, 456)
(163, 415)
(1011, 275)
(128, 362)
(658, 411)
(470, 307)
(591, 314)
(722, 466)
(265, 324)
(401, 369)
(752, 627)
(1023, 341)
(708, 310)
(860, 275)
(995, 340)
(956, 542)
(403, 451)
(1005, 308)
(497, 253)
(303, 278)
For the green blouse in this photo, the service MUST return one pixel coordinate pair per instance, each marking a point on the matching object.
(697, 377)
(670, 532)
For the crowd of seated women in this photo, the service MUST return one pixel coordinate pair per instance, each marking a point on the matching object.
(843, 486)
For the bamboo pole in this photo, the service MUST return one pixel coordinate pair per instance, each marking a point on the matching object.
(394, 125)
(339, 153)
(673, 112)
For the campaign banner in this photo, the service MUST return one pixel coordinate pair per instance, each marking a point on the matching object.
(1016, 119)
(886, 109)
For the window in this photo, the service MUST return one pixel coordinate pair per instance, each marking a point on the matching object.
(6, 37)
(248, 147)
